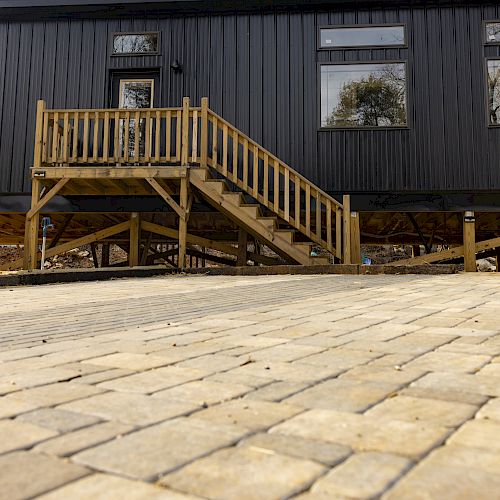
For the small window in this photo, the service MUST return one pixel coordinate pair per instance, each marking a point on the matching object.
(363, 95)
(362, 36)
(135, 43)
(492, 32)
(494, 91)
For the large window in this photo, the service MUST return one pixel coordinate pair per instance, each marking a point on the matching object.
(362, 36)
(135, 43)
(363, 95)
(494, 91)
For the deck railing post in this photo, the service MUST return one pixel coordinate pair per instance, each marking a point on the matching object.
(355, 239)
(346, 225)
(30, 256)
(204, 132)
(40, 109)
(185, 132)
(469, 235)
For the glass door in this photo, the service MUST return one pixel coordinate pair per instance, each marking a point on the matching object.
(135, 94)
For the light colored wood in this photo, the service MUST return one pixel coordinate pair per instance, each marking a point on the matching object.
(183, 224)
(444, 255)
(55, 137)
(65, 138)
(117, 145)
(308, 209)
(148, 130)
(469, 233)
(45, 142)
(185, 131)
(194, 138)
(318, 216)
(286, 194)
(114, 173)
(30, 258)
(65, 247)
(163, 193)
(338, 233)
(204, 132)
(40, 110)
(95, 142)
(137, 136)
(296, 181)
(346, 225)
(224, 150)
(192, 239)
(235, 155)
(355, 239)
(276, 186)
(255, 181)
(266, 180)
(105, 142)
(157, 136)
(76, 127)
(86, 131)
(41, 203)
(135, 236)
(242, 248)
(215, 138)
(329, 229)
(245, 164)
(126, 138)
(178, 136)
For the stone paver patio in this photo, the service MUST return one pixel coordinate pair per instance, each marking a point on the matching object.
(313, 387)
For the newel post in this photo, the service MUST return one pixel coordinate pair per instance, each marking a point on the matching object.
(185, 132)
(346, 226)
(40, 109)
(204, 132)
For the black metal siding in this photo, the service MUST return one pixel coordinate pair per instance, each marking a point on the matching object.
(260, 72)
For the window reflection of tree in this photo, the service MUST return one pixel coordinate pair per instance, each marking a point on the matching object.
(136, 95)
(132, 44)
(493, 32)
(378, 99)
(493, 91)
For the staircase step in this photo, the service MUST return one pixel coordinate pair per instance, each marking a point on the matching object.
(234, 198)
(269, 222)
(320, 261)
(252, 210)
(285, 234)
(218, 185)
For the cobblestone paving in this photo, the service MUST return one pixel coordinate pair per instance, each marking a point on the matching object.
(312, 387)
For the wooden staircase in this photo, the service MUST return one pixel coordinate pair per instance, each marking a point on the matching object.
(249, 216)
(186, 152)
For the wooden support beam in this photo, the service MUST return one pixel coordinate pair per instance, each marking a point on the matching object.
(60, 230)
(163, 193)
(183, 224)
(355, 239)
(105, 254)
(346, 226)
(30, 256)
(145, 250)
(84, 240)
(242, 248)
(190, 238)
(94, 254)
(469, 225)
(428, 246)
(135, 235)
(41, 203)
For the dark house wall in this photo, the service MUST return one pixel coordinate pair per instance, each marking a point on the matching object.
(260, 71)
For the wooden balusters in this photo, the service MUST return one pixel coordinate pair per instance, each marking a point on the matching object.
(117, 146)
(65, 145)
(148, 131)
(215, 137)
(286, 194)
(55, 137)
(178, 136)
(297, 201)
(255, 181)
(266, 179)
(236, 145)
(168, 136)
(204, 133)
(185, 131)
(276, 187)
(224, 149)
(95, 142)
(39, 134)
(318, 216)
(245, 164)
(105, 143)
(194, 140)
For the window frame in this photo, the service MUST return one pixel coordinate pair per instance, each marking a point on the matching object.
(485, 40)
(486, 103)
(135, 54)
(407, 126)
(404, 45)
(124, 82)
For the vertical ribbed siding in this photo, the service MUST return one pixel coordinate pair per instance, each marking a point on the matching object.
(260, 71)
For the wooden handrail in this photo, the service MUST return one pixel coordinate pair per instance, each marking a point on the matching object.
(188, 136)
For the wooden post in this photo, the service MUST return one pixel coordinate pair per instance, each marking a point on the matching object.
(204, 132)
(355, 239)
(346, 224)
(105, 255)
(185, 132)
(183, 223)
(94, 254)
(30, 256)
(242, 248)
(416, 250)
(40, 108)
(469, 234)
(135, 232)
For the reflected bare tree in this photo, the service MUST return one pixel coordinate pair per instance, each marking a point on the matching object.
(494, 93)
(375, 100)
